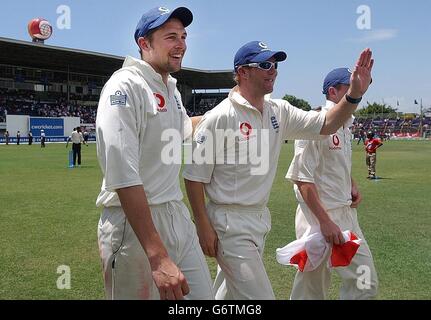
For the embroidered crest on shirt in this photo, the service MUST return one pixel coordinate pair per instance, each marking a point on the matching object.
(178, 103)
(118, 99)
(274, 123)
(201, 138)
(161, 103)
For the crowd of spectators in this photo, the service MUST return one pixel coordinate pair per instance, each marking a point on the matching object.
(387, 127)
(26, 103)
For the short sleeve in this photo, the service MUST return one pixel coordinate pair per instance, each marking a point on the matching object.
(304, 162)
(205, 144)
(300, 124)
(117, 127)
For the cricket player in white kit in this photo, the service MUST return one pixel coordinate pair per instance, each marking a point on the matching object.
(327, 200)
(234, 223)
(148, 243)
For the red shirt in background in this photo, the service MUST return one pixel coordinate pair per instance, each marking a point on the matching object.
(371, 145)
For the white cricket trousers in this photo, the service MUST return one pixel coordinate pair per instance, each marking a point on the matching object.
(242, 231)
(359, 279)
(126, 269)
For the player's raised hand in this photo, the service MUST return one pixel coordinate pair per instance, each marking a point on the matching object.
(361, 76)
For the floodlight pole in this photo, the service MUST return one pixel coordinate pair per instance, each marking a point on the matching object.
(421, 123)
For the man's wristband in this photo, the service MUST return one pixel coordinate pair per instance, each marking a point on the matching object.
(352, 100)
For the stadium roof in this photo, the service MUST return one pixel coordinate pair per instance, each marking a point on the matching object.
(43, 56)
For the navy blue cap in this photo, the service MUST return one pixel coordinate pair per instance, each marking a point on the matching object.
(336, 77)
(158, 16)
(256, 51)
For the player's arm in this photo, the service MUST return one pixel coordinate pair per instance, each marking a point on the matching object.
(207, 235)
(195, 176)
(356, 195)
(329, 229)
(379, 144)
(359, 82)
(167, 276)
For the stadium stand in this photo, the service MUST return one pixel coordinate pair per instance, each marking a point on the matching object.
(47, 81)
(393, 126)
(42, 80)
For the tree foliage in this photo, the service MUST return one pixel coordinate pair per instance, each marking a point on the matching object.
(375, 108)
(296, 102)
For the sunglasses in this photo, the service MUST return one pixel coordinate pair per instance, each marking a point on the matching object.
(265, 65)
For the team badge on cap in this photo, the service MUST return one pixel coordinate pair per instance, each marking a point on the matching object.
(263, 46)
(163, 10)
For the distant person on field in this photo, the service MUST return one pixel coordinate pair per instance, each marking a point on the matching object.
(86, 135)
(77, 139)
(371, 145)
(7, 137)
(18, 137)
(30, 138)
(42, 138)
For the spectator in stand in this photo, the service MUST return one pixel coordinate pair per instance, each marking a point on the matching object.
(361, 136)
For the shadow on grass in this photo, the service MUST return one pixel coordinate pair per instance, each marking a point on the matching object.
(379, 178)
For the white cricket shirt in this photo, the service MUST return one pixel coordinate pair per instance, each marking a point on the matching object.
(76, 137)
(326, 163)
(235, 183)
(135, 109)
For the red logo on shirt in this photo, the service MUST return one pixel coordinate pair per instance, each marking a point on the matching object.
(335, 140)
(335, 143)
(161, 103)
(245, 129)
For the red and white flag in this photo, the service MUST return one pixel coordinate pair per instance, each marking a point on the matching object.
(308, 252)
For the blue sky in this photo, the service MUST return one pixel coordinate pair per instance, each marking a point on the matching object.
(318, 35)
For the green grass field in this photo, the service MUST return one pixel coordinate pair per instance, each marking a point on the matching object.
(48, 219)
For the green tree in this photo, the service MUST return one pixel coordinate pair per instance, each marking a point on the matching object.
(375, 108)
(299, 103)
